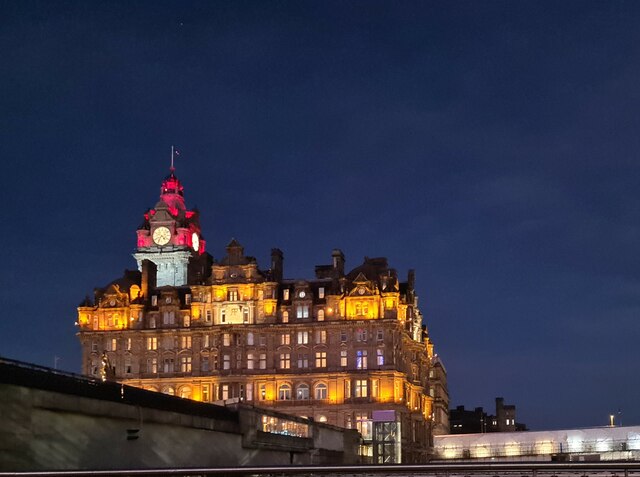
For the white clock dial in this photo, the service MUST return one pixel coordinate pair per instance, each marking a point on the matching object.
(161, 235)
(195, 241)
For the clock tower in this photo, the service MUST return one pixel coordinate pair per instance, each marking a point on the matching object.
(170, 236)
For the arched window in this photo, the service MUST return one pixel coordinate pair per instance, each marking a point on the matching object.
(169, 390)
(185, 392)
(285, 317)
(322, 418)
(321, 315)
(284, 392)
(321, 391)
(250, 338)
(302, 392)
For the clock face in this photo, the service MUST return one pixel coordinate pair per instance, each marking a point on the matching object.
(195, 241)
(161, 235)
(302, 294)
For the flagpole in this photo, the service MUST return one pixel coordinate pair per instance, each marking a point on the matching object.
(172, 168)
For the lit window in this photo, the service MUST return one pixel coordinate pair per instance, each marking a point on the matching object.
(303, 337)
(361, 359)
(205, 393)
(152, 365)
(363, 424)
(263, 361)
(302, 392)
(285, 294)
(112, 344)
(154, 300)
(284, 392)
(303, 360)
(185, 364)
(302, 311)
(187, 299)
(321, 292)
(347, 388)
(263, 392)
(226, 339)
(128, 344)
(250, 339)
(361, 335)
(185, 342)
(152, 343)
(380, 357)
(285, 360)
(320, 391)
(285, 317)
(361, 388)
(208, 316)
(205, 341)
(321, 315)
(249, 391)
(321, 336)
(226, 361)
(375, 385)
(187, 321)
(225, 392)
(232, 295)
(321, 359)
(343, 358)
(250, 360)
(285, 339)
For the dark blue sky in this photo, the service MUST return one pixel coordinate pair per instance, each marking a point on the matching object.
(492, 146)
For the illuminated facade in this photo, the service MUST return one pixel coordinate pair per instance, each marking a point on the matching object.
(346, 347)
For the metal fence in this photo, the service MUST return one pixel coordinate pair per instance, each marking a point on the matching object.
(600, 469)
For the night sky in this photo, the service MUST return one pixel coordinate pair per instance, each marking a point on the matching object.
(492, 146)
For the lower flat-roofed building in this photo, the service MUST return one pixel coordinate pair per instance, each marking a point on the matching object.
(590, 444)
(348, 348)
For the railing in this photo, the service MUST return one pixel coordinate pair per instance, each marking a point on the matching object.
(619, 469)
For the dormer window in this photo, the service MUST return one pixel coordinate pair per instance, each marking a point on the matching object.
(285, 294)
(321, 292)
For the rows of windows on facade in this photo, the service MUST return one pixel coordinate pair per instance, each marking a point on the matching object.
(336, 347)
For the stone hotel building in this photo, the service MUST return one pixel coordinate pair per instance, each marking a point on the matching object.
(346, 347)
